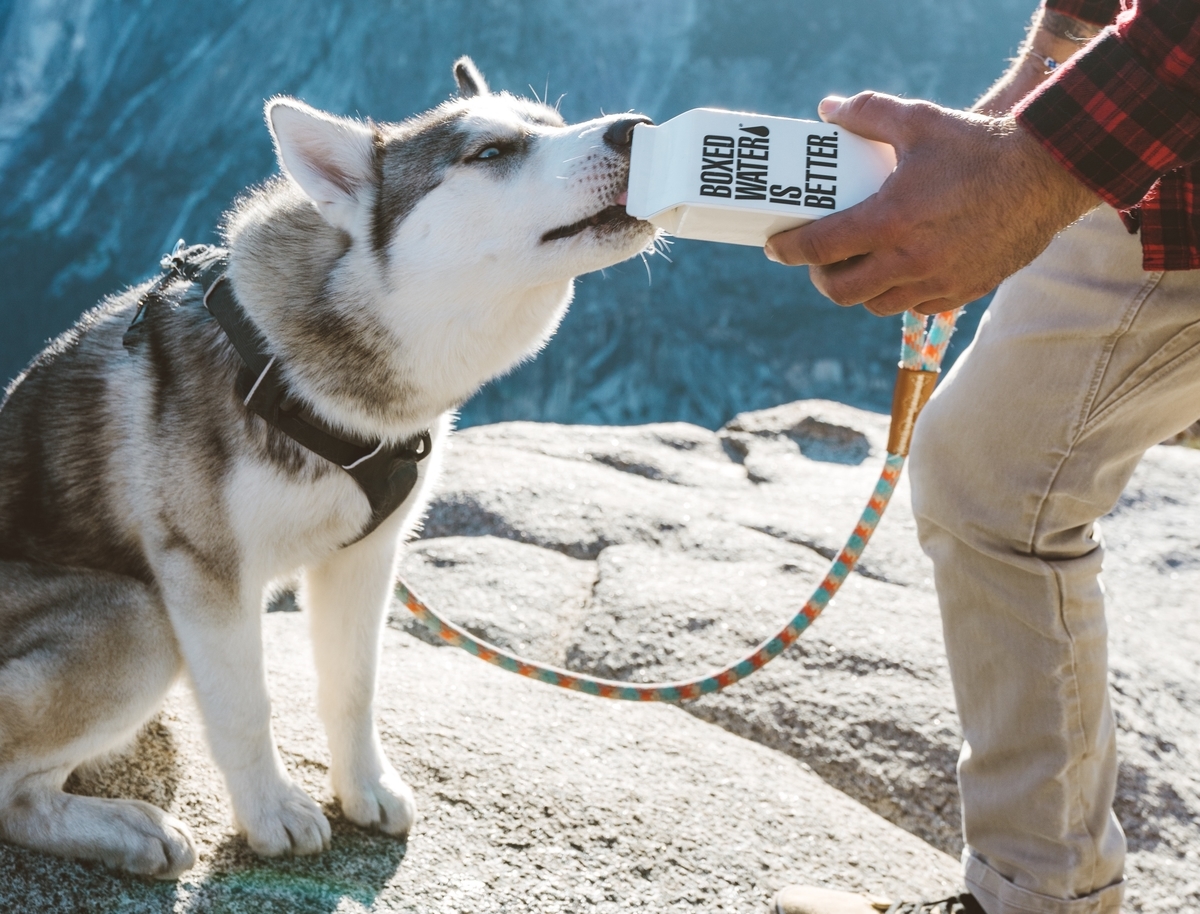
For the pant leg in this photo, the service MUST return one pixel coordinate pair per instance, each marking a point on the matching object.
(1082, 362)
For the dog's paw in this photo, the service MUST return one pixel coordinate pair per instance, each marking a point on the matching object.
(288, 823)
(384, 802)
(151, 842)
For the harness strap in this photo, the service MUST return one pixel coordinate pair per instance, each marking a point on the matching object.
(386, 474)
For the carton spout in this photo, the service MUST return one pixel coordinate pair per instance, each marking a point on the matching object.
(645, 167)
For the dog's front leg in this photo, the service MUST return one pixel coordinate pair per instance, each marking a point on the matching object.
(219, 627)
(347, 596)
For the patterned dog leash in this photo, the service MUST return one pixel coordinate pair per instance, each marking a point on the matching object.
(921, 357)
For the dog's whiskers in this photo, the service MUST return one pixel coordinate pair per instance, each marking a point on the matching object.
(646, 264)
(660, 245)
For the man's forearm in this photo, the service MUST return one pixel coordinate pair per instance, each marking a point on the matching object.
(1052, 36)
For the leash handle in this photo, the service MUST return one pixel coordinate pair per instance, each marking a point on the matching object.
(922, 351)
(922, 347)
(913, 390)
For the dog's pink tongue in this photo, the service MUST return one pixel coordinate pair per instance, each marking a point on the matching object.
(623, 198)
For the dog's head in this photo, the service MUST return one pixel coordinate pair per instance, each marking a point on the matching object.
(486, 185)
(445, 245)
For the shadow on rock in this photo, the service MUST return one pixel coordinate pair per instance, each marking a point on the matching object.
(358, 867)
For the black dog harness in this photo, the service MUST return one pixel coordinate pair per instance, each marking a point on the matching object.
(385, 473)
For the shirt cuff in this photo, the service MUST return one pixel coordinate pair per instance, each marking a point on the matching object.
(1111, 123)
(1097, 12)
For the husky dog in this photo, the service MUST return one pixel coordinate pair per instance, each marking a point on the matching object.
(145, 509)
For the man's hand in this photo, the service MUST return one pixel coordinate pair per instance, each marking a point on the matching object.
(972, 200)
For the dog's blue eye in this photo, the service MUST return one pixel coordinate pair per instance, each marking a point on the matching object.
(490, 153)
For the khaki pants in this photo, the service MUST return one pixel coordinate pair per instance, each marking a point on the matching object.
(1082, 362)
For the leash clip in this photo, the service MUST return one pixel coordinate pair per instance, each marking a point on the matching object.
(183, 262)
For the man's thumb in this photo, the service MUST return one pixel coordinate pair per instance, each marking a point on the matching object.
(829, 106)
(869, 114)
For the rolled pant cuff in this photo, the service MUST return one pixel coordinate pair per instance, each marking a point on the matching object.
(999, 895)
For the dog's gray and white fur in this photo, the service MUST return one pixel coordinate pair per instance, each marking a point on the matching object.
(144, 512)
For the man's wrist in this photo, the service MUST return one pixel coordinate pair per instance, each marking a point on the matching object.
(1055, 39)
(1065, 197)
(1068, 28)
(1052, 40)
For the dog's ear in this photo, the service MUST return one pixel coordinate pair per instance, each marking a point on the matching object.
(331, 158)
(470, 80)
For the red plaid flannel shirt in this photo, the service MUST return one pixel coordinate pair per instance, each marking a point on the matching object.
(1123, 116)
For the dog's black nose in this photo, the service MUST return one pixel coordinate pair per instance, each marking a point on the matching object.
(619, 134)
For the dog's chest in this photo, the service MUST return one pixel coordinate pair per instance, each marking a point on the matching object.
(295, 516)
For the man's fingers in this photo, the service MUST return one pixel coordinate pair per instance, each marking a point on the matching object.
(894, 301)
(938, 305)
(924, 297)
(873, 115)
(863, 279)
(860, 229)
(851, 282)
(909, 298)
(832, 239)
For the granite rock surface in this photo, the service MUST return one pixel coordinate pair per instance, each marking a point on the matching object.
(655, 552)
(700, 544)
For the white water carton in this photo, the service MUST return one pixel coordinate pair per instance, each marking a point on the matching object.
(741, 178)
